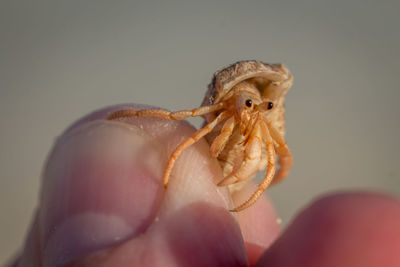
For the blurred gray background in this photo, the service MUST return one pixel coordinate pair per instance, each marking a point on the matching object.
(62, 59)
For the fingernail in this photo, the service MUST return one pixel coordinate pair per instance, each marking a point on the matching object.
(101, 186)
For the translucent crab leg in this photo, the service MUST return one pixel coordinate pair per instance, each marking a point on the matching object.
(251, 159)
(190, 141)
(220, 141)
(165, 115)
(285, 156)
(270, 171)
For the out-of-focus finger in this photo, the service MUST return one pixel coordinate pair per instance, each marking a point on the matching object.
(347, 230)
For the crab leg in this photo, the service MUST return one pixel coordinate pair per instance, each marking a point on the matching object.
(270, 171)
(220, 141)
(251, 159)
(285, 157)
(250, 127)
(165, 115)
(190, 141)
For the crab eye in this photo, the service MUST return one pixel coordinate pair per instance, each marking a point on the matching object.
(270, 105)
(249, 103)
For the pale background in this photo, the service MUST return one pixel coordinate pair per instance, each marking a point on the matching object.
(62, 59)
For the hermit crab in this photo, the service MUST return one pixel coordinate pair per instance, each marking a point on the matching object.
(244, 124)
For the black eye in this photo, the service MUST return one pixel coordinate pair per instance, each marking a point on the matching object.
(249, 103)
(270, 105)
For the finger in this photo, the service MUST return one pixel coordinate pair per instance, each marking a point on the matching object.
(259, 223)
(102, 187)
(348, 229)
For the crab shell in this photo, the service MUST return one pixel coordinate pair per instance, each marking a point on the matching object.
(272, 80)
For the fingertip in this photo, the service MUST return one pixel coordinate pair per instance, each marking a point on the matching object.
(345, 229)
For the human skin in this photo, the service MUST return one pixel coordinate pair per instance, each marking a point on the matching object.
(102, 203)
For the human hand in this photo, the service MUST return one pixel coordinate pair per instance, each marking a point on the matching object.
(103, 204)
